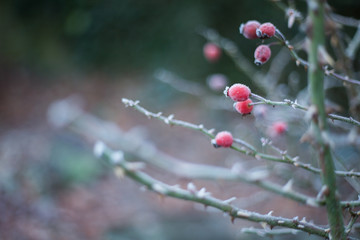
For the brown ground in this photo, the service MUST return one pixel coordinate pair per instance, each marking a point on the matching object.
(35, 203)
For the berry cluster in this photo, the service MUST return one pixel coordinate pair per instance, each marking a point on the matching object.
(240, 93)
(252, 30)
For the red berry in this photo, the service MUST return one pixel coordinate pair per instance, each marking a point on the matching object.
(249, 29)
(239, 92)
(223, 139)
(244, 107)
(262, 54)
(266, 30)
(277, 128)
(212, 52)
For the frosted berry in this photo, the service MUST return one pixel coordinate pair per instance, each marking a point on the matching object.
(266, 30)
(244, 107)
(212, 52)
(238, 92)
(277, 128)
(217, 81)
(262, 54)
(248, 29)
(223, 139)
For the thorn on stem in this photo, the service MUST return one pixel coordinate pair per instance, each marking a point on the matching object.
(119, 172)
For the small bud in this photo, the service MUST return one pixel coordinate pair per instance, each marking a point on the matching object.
(191, 187)
(119, 172)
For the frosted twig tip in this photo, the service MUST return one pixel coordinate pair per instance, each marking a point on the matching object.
(117, 156)
(129, 103)
(99, 149)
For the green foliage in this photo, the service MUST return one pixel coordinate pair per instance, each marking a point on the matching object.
(118, 35)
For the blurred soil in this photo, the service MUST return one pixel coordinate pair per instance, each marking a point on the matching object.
(53, 188)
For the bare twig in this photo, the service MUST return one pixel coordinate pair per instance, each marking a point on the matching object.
(346, 21)
(93, 129)
(346, 79)
(179, 84)
(196, 90)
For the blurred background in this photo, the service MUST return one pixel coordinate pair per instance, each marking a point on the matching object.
(97, 52)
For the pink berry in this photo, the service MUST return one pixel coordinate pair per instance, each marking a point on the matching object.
(223, 139)
(260, 111)
(266, 30)
(239, 92)
(212, 52)
(249, 29)
(262, 54)
(277, 128)
(217, 81)
(244, 107)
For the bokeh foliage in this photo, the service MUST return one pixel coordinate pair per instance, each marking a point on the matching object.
(128, 35)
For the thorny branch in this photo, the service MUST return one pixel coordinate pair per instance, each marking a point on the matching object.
(168, 77)
(93, 128)
(300, 61)
(132, 142)
(346, 21)
(230, 48)
(296, 105)
(354, 217)
(247, 148)
(350, 51)
(203, 197)
(269, 232)
(319, 124)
